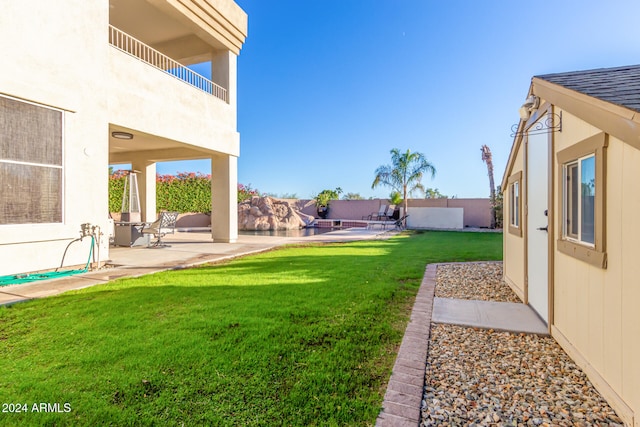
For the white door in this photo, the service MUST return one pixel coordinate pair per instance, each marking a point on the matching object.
(537, 223)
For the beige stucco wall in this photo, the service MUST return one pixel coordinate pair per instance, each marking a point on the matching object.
(60, 57)
(57, 58)
(596, 310)
(178, 112)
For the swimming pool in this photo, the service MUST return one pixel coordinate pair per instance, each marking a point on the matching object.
(302, 232)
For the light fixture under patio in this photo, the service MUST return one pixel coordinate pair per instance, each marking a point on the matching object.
(122, 135)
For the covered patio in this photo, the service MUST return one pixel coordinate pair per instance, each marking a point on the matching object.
(143, 151)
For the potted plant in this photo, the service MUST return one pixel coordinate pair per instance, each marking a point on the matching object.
(322, 200)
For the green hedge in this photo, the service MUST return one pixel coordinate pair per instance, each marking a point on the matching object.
(184, 192)
(116, 188)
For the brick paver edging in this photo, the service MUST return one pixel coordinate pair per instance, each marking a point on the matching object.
(401, 405)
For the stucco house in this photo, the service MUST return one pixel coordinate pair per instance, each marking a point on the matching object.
(572, 203)
(87, 84)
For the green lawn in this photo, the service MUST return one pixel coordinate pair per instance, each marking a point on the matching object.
(297, 336)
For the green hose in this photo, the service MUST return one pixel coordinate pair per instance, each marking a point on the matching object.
(17, 279)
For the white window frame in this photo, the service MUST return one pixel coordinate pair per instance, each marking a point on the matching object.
(567, 210)
(514, 204)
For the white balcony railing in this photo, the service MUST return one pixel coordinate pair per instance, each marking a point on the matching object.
(149, 55)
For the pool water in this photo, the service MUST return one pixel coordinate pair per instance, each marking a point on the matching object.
(302, 232)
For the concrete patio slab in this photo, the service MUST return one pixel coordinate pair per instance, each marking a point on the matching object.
(187, 249)
(502, 316)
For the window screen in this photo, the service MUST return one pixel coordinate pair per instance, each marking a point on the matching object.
(30, 163)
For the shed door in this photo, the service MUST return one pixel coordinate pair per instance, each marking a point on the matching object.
(537, 223)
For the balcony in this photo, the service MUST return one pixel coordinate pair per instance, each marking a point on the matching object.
(144, 53)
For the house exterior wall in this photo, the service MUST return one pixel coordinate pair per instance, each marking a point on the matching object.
(178, 112)
(58, 59)
(595, 309)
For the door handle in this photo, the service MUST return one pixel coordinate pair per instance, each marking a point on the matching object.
(546, 228)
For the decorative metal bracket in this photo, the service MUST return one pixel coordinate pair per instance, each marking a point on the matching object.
(551, 123)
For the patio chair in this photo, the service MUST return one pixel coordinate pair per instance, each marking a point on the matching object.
(381, 212)
(399, 224)
(388, 215)
(165, 224)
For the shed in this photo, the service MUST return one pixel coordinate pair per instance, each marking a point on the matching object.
(571, 206)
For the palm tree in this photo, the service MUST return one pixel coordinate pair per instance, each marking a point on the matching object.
(404, 173)
(487, 158)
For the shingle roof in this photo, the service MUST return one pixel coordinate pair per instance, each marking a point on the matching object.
(619, 85)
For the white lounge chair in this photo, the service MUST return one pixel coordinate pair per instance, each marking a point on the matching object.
(381, 212)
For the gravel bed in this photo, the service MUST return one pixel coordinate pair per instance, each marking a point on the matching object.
(477, 377)
(479, 281)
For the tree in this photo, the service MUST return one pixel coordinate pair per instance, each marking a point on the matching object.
(497, 206)
(395, 198)
(323, 199)
(325, 196)
(487, 158)
(245, 192)
(434, 193)
(404, 174)
(352, 196)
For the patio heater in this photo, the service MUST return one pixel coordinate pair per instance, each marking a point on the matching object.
(130, 211)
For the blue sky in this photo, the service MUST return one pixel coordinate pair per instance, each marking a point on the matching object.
(327, 87)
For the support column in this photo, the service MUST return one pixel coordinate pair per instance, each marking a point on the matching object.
(224, 72)
(146, 188)
(224, 199)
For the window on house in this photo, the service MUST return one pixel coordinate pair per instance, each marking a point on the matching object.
(31, 167)
(579, 203)
(581, 179)
(515, 203)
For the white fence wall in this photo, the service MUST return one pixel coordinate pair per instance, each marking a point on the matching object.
(438, 218)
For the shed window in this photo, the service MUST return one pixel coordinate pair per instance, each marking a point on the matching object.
(582, 198)
(31, 168)
(579, 199)
(514, 196)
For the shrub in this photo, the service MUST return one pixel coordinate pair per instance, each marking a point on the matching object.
(116, 188)
(245, 192)
(184, 192)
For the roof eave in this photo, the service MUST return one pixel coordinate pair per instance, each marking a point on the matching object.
(616, 120)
